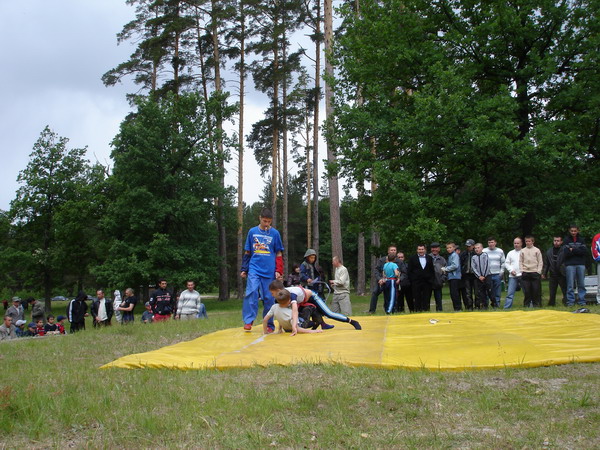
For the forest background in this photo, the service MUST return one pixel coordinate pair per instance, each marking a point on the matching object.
(447, 120)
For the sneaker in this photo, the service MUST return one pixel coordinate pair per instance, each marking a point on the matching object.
(327, 326)
(248, 327)
(355, 324)
(270, 330)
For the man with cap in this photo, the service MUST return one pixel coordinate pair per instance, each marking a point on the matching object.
(7, 329)
(467, 281)
(16, 310)
(438, 262)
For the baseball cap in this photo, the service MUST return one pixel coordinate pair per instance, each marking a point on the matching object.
(470, 242)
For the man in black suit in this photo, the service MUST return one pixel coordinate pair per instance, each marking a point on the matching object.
(422, 275)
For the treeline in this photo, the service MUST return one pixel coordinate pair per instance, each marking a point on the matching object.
(448, 120)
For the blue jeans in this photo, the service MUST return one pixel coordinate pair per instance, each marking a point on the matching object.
(575, 273)
(202, 312)
(257, 288)
(513, 282)
(496, 290)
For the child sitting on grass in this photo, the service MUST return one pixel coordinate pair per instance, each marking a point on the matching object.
(51, 327)
(60, 323)
(285, 311)
(39, 328)
(31, 330)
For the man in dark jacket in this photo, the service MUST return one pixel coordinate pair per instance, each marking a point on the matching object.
(575, 253)
(422, 276)
(405, 290)
(162, 302)
(77, 312)
(102, 309)
(468, 278)
(554, 270)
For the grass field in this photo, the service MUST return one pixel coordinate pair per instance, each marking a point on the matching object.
(53, 395)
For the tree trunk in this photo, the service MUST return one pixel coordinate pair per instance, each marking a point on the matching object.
(334, 195)
(375, 243)
(223, 272)
(275, 155)
(240, 206)
(361, 279)
(284, 212)
(315, 168)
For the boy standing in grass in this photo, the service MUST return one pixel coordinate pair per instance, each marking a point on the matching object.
(286, 313)
(262, 262)
(147, 316)
(392, 275)
(531, 263)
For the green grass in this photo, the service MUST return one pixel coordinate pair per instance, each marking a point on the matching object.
(52, 395)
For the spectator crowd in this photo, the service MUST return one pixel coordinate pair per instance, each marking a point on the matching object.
(162, 305)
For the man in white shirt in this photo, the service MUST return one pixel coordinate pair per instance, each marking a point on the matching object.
(341, 285)
(189, 303)
(513, 267)
(496, 260)
(102, 309)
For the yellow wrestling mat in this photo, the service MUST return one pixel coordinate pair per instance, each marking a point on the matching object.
(439, 341)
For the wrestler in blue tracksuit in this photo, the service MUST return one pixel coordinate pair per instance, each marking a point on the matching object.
(263, 246)
(391, 273)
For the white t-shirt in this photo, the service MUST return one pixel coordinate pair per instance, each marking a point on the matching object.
(512, 263)
(282, 315)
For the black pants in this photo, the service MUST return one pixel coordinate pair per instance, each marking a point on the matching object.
(421, 294)
(405, 292)
(532, 289)
(467, 290)
(374, 296)
(554, 281)
(455, 294)
(437, 296)
(310, 316)
(77, 326)
(483, 292)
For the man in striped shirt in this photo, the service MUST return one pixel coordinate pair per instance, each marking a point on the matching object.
(496, 259)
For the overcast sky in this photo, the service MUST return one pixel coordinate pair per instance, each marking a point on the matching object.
(54, 54)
